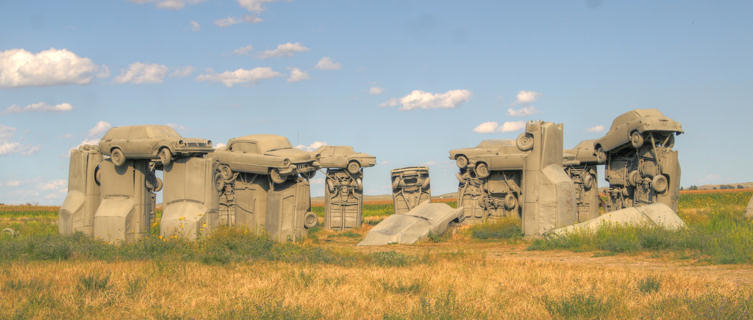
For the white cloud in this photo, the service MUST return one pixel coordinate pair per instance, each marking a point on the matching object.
(297, 75)
(284, 50)
(525, 97)
(195, 26)
(182, 72)
(231, 78)
(20, 68)
(100, 128)
(510, 126)
(311, 147)
(418, 99)
(243, 51)
(325, 63)
(176, 126)
(375, 90)
(219, 145)
(169, 4)
(226, 22)
(40, 107)
(140, 73)
(493, 126)
(53, 185)
(13, 183)
(522, 112)
(597, 129)
(486, 127)
(9, 147)
(251, 19)
(254, 5)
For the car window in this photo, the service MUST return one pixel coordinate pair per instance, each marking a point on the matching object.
(244, 147)
(137, 133)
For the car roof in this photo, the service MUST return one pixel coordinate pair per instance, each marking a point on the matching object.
(125, 130)
(495, 143)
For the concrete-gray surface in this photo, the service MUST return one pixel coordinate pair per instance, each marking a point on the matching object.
(408, 228)
(657, 214)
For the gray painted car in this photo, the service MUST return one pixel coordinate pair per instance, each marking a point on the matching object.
(491, 155)
(634, 127)
(265, 154)
(344, 157)
(149, 142)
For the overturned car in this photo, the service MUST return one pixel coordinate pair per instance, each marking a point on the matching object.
(150, 142)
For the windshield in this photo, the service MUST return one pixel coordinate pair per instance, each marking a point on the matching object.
(273, 143)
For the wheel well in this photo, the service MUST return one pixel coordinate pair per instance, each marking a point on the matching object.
(163, 147)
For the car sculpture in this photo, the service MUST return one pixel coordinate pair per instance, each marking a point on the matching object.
(150, 142)
(344, 157)
(265, 154)
(635, 127)
(492, 155)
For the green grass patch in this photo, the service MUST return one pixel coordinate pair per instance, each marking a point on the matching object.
(501, 229)
(578, 306)
(649, 284)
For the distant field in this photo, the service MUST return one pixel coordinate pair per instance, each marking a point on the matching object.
(486, 271)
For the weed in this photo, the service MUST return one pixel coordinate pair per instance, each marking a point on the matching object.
(502, 229)
(399, 287)
(94, 282)
(649, 284)
(135, 286)
(578, 306)
(389, 259)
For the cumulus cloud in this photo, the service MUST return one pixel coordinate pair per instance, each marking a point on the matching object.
(254, 5)
(141, 73)
(20, 68)
(40, 107)
(226, 22)
(99, 129)
(375, 90)
(168, 4)
(12, 183)
(195, 26)
(493, 126)
(325, 63)
(231, 78)
(522, 112)
(243, 51)
(596, 129)
(297, 75)
(284, 50)
(311, 147)
(418, 99)
(525, 97)
(52, 185)
(10, 147)
(182, 72)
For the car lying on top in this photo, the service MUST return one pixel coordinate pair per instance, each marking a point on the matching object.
(634, 127)
(266, 154)
(344, 157)
(492, 155)
(150, 142)
(584, 153)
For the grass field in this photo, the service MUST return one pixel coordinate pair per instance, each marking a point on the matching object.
(486, 271)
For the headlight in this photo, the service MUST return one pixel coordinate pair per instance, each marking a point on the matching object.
(180, 142)
(286, 162)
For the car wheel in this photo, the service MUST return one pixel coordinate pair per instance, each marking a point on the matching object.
(510, 201)
(636, 139)
(601, 156)
(524, 141)
(588, 181)
(659, 183)
(276, 177)
(219, 182)
(97, 176)
(354, 167)
(634, 178)
(165, 156)
(482, 170)
(226, 172)
(310, 220)
(117, 157)
(461, 161)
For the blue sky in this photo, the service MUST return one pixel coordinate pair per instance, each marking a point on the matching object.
(403, 80)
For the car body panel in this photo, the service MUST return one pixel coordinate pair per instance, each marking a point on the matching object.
(259, 153)
(641, 120)
(340, 156)
(497, 154)
(145, 141)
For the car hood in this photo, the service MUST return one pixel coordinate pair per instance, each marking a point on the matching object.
(295, 155)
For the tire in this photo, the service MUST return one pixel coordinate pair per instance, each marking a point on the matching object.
(524, 141)
(636, 139)
(274, 174)
(634, 178)
(482, 170)
(226, 172)
(588, 181)
(165, 156)
(601, 156)
(461, 161)
(97, 176)
(510, 201)
(117, 157)
(354, 167)
(660, 183)
(219, 183)
(310, 220)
